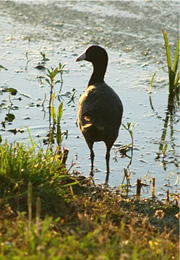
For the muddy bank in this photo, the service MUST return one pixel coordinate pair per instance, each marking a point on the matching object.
(131, 26)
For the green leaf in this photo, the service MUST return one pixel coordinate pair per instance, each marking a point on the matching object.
(48, 81)
(59, 135)
(61, 66)
(129, 125)
(57, 81)
(54, 73)
(167, 50)
(59, 113)
(13, 91)
(176, 56)
(53, 110)
(170, 71)
(151, 82)
(53, 114)
(71, 184)
(48, 71)
(165, 149)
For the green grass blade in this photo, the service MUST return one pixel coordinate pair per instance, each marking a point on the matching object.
(167, 50)
(151, 82)
(53, 109)
(177, 79)
(170, 72)
(31, 139)
(175, 65)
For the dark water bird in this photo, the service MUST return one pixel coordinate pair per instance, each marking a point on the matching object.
(100, 108)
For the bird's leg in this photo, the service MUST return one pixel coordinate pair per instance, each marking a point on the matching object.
(92, 160)
(107, 159)
(107, 164)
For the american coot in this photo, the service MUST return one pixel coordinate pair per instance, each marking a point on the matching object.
(100, 109)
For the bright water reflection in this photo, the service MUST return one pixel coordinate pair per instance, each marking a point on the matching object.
(128, 76)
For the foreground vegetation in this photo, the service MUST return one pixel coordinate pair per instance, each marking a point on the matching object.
(46, 213)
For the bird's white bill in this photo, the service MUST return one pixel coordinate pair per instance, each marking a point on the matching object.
(81, 57)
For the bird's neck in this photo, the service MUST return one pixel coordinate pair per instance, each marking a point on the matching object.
(98, 74)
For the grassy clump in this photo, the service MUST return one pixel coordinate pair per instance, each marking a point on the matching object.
(81, 222)
(20, 165)
(174, 74)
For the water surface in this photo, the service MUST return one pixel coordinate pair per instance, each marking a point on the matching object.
(132, 34)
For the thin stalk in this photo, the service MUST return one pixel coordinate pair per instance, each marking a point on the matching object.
(29, 206)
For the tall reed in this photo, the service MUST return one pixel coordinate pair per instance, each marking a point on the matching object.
(174, 74)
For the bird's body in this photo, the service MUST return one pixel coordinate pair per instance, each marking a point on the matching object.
(100, 121)
(100, 109)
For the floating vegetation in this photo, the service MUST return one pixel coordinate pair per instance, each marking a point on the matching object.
(9, 117)
(2, 67)
(12, 91)
(41, 64)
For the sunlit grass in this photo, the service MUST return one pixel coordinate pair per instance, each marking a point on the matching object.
(174, 74)
(21, 164)
(43, 218)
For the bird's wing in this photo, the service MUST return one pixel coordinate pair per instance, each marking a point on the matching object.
(99, 107)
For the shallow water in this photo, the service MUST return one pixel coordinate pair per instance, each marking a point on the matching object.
(133, 54)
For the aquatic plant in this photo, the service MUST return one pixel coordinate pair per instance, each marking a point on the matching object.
(72, 96)
(2, 67)
(129, 127)
(41, 64)
(9, 117)
(44, 58)
(54, 117)
(173, 100)
(123, 150)
(174, 76)
(61, 71)
(27, 60)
